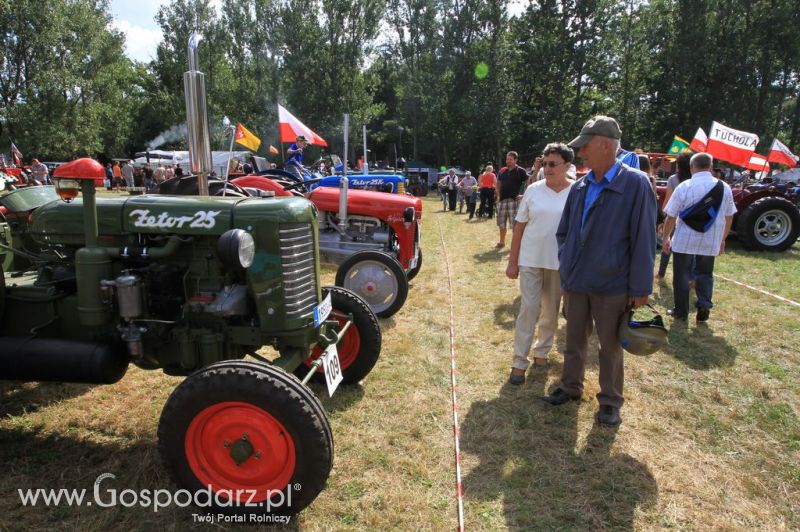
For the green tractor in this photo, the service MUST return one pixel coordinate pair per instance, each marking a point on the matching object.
(191, 285)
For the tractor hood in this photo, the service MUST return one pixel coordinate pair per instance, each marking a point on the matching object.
(366, 202)
(60, 222)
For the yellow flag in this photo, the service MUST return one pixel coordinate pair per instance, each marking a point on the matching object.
(246, 139)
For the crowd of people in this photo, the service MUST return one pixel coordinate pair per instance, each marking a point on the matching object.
(147, 176)
(587, 247)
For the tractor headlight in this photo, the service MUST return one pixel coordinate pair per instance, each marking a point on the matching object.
(67, 189)
(236, 248)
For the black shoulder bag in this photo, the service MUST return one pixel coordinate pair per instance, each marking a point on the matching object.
(702, 214)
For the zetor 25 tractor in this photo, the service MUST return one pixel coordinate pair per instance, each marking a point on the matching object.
(191, 285)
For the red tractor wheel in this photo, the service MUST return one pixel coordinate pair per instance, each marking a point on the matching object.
(249, 433)
(360, 347)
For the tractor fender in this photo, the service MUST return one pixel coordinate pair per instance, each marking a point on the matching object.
(261, 183)
(744, 198)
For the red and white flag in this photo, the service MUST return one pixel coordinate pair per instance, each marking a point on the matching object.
(780, 153)
(730, 144)
(291, 127)
(16, 155)
(757, 162)
(699, 141)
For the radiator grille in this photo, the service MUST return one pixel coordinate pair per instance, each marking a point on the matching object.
(299, 274)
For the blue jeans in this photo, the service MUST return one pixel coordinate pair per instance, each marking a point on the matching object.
(664, 262)
(704, 282)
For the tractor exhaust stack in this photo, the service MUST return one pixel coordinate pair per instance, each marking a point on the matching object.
(194, 84)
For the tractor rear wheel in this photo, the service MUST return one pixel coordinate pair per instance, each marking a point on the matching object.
(249, 433)
(360, 347)
(377, 278)
(769, 224)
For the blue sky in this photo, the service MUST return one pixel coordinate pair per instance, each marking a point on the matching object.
(136, 19)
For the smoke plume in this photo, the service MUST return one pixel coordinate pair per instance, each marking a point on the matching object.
(173, 134)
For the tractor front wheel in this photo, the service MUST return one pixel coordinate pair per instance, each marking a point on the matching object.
(246, 438)
(377, 278)
(410, 274)
(360, 346)
(769, 224)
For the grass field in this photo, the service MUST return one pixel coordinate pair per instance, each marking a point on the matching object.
(710, 438)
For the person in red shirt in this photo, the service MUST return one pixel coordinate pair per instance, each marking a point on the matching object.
(487, 183)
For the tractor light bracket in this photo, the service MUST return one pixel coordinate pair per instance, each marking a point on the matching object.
(324, 342)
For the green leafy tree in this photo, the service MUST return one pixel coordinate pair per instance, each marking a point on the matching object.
(64, 80)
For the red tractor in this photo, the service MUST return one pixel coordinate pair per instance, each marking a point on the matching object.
(373, 237)
(765, 220)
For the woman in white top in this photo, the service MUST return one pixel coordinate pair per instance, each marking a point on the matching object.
(534, 260)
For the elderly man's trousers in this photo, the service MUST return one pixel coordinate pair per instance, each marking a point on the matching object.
(604, 312)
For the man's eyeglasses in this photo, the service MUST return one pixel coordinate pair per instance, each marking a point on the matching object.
(551, 164)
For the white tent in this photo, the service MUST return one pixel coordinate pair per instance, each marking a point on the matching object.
(181, 158)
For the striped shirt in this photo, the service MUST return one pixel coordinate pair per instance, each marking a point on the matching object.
(687, 240)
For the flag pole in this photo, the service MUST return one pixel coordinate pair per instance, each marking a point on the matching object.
(280, 140)
(231, 130)
(766, 164)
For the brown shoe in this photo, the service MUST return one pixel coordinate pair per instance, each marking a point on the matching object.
(517, 376)
(540, 363)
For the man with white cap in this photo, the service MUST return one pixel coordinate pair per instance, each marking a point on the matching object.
(605, 246)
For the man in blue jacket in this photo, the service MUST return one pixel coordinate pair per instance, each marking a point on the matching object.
(605, 246)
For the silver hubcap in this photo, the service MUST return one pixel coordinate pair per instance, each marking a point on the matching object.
(374, 282)
(772, 227)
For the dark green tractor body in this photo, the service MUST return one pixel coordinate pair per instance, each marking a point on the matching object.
(170, 244)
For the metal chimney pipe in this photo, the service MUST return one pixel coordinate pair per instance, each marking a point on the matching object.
(365, 168)
(199, 144)
(344, 182)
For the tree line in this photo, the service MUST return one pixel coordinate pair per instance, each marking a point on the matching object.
(442, 81)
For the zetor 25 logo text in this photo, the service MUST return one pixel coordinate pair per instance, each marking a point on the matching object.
(164, 220)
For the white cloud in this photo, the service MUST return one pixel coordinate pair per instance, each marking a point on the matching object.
(517, 7)
(140, 43)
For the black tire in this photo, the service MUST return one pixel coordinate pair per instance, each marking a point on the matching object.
(410, 274)
(278, 412)
(377, 278)
(769, 224)
(360, 347)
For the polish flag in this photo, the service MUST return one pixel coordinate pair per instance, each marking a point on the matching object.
(757, 162)
(780, 153)
(16, 154)
(731, 145)
(699, 141)
(291, 127)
